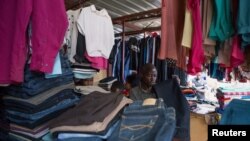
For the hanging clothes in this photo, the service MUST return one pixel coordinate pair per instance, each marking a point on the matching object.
(207, 14)
(168, 37)
(49, 24)
(98, 30)
(71, 36)
(243, 21)
(196, 57)
(188, 30)
(221, 27)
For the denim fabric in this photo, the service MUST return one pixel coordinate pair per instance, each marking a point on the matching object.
(118, 62)
(39, 87)
(127, 64)
(237, 112)
(29, 108)
(34, 123)
(30, 75)
(115, 58)
(86, 136)
(36, 116)
(35, 82)
(146, 123)
(81, 139)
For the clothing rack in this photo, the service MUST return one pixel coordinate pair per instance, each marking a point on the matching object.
(150, 29)
(154, 13)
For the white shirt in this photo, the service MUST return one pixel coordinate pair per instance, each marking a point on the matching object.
(98, 30)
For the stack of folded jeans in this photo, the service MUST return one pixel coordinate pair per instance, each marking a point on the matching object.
(146, 123)
(32, 105)
(28, 116)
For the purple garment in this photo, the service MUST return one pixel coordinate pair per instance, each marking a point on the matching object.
(49, 23)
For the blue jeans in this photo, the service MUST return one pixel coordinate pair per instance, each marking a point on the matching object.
(237, 112)
(86, 136)
(81, 139)
(19, 117)
(29, 108)
(36, 116)
(39, 87)
(146, 123)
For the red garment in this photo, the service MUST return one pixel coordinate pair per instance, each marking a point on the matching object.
(237, 55)
(196, 57)
(49, 23)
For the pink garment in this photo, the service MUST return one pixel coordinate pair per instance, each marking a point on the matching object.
(49, 23)
(168, 37)
(97, 62)
(196, 57)
(237, 55)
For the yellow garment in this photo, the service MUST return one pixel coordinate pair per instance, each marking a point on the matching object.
(188, 30)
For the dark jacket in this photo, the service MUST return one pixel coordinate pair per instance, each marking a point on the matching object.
(170, 92)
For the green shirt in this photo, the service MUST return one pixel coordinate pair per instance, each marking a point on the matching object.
(138, 94)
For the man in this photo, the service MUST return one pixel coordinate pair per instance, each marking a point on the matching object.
(198, 81)
(148, 77)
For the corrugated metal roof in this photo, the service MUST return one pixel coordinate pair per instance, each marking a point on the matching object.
(118, 8)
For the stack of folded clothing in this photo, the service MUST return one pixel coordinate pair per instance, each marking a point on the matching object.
(30, 106)
(84, 71)
(94, 117)
(228, 91)
(188, 92)
(107, 82)
(85, 90)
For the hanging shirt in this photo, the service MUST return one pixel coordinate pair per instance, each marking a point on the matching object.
(49, 24)
(221, 26)
(243, 21)
(71, 34)
(207, 12)
(168, 37)
(196, 57)
(188, 30)
(98, 30)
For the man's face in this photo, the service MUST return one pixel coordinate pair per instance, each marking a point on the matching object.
(150, 77)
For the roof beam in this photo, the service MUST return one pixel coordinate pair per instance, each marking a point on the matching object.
(137, 16)
(150, 29)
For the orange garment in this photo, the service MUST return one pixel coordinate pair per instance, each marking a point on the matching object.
(172, 24)
(168, 37)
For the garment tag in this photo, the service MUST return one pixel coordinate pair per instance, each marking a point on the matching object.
(149, 101)
(57, 69)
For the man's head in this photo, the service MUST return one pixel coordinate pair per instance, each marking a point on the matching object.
(148, 74)
(198, 75)
(117, 87)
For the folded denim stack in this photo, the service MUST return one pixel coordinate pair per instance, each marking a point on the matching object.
(32, 105)
(95, 117)
(142, 122)
(28, 116)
